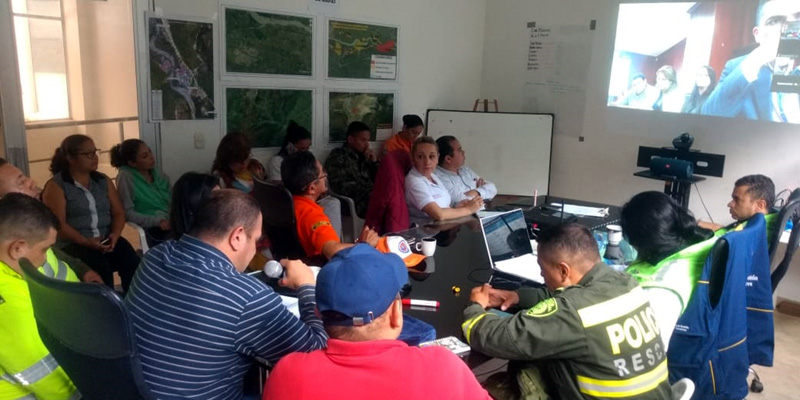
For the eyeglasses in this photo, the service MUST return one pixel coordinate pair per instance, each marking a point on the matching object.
(321, 177)
(89, 153)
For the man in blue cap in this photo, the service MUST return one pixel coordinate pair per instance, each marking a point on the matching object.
(358, 298)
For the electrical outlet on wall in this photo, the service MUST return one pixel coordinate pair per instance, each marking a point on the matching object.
(199, 140)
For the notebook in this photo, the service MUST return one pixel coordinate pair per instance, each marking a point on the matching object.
(509, 246)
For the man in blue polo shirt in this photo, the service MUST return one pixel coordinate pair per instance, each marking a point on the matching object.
(199, 323)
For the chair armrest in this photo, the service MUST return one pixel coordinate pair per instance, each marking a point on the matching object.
(142, 236)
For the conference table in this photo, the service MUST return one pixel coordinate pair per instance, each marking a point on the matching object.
(461, 262)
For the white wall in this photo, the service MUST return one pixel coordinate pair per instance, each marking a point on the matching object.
(601, 167)
(440, 59)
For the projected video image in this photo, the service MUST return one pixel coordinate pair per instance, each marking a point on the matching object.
(738, 59)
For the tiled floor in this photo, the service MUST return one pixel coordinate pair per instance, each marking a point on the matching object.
(782, 381)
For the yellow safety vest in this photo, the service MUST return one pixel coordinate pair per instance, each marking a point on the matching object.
(27, 370)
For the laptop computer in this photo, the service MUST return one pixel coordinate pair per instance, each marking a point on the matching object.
(509, 246)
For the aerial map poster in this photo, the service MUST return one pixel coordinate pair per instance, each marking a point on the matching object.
(267, 43)
(264, 114)
(361, 51)
(374, 109)
(181, 69)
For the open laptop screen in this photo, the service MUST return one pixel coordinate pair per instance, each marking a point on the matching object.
(506, 236)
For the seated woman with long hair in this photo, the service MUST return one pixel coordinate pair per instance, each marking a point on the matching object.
(704, 83)
(90, 212)
(144, 190)
(671, 249)
(297, 139)
(234, 165)
(427, 197)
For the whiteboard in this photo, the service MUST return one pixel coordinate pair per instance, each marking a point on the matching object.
(510, 149)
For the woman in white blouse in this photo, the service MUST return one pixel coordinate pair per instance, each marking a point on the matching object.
(425, 194)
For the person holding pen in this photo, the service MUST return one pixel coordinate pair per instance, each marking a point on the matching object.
(426, 195)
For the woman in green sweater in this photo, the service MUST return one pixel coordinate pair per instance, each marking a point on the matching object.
(145, 191)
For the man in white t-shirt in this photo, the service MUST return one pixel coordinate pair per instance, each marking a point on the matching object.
(461, 182)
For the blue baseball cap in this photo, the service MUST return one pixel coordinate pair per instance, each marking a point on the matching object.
(360, 283)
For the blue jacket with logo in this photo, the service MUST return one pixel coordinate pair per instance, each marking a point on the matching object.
(722, 332)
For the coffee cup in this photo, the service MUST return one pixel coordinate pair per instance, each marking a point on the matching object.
(427, 245)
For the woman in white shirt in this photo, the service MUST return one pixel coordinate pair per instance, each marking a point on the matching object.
(426, 196)
(297, 139)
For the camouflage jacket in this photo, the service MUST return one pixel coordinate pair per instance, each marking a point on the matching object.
(351, 174)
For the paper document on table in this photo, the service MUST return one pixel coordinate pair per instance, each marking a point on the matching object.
(581, 210)
(292, 304)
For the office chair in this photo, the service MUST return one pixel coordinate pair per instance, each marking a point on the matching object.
(789, 212)
(88, 331)
(351, 223)
(280, 224)
(142, 237)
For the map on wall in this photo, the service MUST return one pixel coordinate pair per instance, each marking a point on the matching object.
(361, 51)
(181, 69)
(267, 43)
(264, 114)
(374, 109)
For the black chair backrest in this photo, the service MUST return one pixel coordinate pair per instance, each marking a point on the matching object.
(88, 331)
(789, 212)
(280, 225)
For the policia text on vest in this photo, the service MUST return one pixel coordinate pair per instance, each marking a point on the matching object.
(596, 339)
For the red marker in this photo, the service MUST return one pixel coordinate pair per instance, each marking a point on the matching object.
(424, 303)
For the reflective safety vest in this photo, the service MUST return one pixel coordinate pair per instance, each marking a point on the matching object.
(677, 273)
(27, 370)
(597, 339)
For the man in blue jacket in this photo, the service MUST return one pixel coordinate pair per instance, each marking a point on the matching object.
(745, 85)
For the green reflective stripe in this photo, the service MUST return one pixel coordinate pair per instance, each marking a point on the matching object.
(29, 397)
(35, 372)
(624, 388)
(62, 271)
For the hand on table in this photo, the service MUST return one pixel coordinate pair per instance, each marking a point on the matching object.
(489, 297)
(474, 204)
(369, 236)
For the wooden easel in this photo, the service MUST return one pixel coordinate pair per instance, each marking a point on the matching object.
(486, 103)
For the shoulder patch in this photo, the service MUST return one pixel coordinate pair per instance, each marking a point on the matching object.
(544, 308)
(318, 224)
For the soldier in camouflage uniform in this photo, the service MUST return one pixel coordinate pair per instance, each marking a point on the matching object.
(352, 167)
(592, 333)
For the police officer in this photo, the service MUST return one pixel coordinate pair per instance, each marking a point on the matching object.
(591, 333)
(27, 370)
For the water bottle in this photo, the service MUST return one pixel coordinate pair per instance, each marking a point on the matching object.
(613, 252)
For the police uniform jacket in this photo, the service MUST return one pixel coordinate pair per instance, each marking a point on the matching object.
(596, 339)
